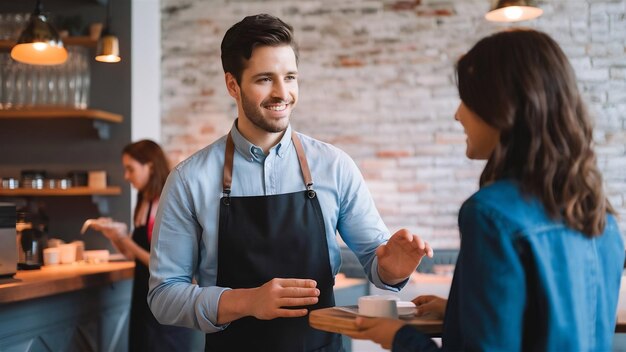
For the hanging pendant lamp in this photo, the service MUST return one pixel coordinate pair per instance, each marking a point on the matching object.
(39, 43)
(108, 44)
(513, 11)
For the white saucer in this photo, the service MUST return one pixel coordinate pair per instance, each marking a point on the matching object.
(406, 308)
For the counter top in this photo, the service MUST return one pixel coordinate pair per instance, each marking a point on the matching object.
(51, 280)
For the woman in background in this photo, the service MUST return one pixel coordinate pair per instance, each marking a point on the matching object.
(146, 168)
(541, 255)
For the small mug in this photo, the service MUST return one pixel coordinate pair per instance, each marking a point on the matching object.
(378, 306)
(68, 253)
(51, 256)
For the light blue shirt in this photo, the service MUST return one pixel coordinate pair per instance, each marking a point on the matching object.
(184, 243)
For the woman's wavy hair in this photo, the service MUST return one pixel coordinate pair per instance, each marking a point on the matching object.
(146, 151)
(520, 82)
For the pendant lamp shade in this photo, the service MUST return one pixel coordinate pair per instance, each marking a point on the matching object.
(39, 43)
(108, 49)
(108, 44)
(513, 11)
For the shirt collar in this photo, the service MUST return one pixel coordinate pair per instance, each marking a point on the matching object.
(251, 151)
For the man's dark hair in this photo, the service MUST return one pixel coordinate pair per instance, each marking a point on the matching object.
(257, 30)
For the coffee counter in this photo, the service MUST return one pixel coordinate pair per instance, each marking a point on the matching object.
(85, 307)
(79, 307)
(52, 280)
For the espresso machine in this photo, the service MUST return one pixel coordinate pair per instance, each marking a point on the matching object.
(8, 243)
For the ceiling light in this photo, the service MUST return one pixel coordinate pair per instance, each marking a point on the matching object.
(39, 43)
(108, 44)
(513, 11)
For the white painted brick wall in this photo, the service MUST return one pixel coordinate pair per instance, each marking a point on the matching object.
(377, 80)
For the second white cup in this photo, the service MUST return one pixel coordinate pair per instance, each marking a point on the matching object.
(68, 253)
(51, 256)
(378, 306)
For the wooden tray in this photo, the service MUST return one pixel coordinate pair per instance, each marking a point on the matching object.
(335, 320)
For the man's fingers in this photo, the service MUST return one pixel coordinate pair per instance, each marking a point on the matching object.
(291, 313)
(300, 292)
(297, 283)
(417, 242)
(293, 302)
(414, 241)
(429, 251)
(423, 246)
(402, 235)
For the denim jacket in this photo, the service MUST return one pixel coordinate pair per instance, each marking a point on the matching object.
(525, 282)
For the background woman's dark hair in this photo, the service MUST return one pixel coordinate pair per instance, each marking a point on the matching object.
(258, 30)
(520, 82)
(146, 151)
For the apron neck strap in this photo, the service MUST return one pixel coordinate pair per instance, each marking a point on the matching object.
(227, 180)
(229, 153)
(304, 165)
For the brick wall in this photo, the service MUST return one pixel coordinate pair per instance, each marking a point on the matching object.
(377, 80)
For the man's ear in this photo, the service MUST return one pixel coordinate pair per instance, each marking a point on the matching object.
(232, 85)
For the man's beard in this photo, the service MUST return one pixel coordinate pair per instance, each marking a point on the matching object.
(255, 115)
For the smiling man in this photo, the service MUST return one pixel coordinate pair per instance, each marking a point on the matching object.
(253, 217)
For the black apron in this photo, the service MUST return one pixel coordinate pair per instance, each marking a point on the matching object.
(266, 237)
(145, 332)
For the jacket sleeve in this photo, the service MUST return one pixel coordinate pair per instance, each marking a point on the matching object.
(408, 339)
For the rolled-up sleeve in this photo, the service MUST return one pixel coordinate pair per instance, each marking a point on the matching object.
(360, 224)
(173, 297)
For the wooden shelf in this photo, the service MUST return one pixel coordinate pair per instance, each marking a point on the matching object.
(73, 191)
(79, 41)
(60, 113)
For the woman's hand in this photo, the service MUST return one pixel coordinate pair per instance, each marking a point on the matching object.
(430, 305)
(113, 230)
(380, 330)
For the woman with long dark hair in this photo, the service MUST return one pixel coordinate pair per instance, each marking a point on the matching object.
(146, 168)
(541, 255)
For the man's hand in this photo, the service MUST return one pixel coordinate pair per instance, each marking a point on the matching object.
(430, 305)
(379, 330)
(400, 256)
(276, 295)
(272, 300)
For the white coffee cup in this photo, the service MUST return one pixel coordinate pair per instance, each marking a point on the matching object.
(80, 249)
(378, 306)
(68, 253)
(51, 256)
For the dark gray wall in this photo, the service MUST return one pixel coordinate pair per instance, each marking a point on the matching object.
(59, 146)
